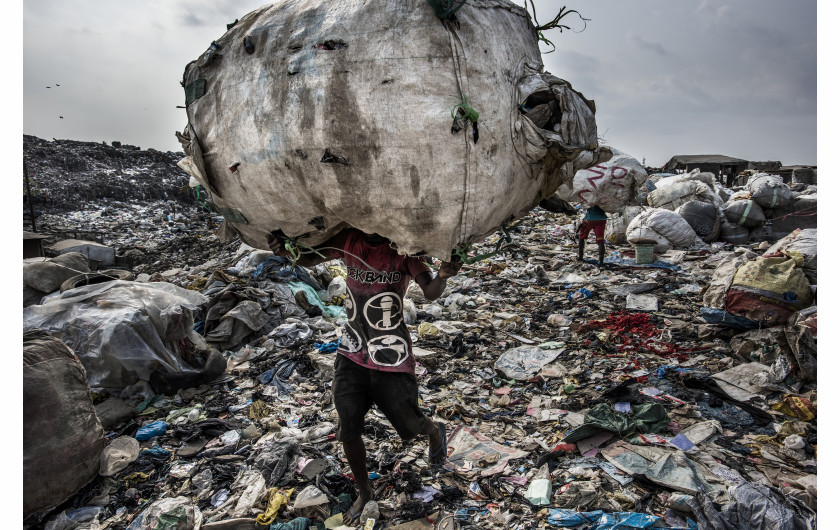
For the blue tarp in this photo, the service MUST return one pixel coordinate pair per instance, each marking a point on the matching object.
(598, 520)
(719, 316)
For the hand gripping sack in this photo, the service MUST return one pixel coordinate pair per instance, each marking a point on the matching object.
(62, 437)
(612, 185)
(309, 116)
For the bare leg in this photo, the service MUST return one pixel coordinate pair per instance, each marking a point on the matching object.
(601, 251)
(354, 451)
(581, 244)
(432, 430)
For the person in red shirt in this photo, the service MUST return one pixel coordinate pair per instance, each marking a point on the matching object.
(595, 220)
(375, 363)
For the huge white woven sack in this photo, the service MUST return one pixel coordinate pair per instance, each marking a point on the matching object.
(309, 116)
(612, 185)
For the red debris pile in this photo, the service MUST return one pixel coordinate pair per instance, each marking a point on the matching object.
(635, 332)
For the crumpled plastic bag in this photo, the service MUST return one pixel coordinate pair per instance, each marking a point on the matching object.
(645, 418)
(524, 362)
(178, 513)
(755, 506)
(601, 521)
(121, 330)
(118, 455)
(237, 324)
(292, 333)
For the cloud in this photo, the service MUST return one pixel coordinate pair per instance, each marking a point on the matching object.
(191, 19)
(648, 45)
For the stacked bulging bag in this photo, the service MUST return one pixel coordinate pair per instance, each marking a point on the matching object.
(616, 229)
(307, 117)
(611, 185)
(664, 228)
(767, 209)
(684, 211)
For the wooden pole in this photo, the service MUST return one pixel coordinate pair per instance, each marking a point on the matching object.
(29, 198)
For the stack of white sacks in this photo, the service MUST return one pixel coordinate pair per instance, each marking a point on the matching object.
(693, 208)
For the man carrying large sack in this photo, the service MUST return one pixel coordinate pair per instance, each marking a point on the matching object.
(375, 362)
(595, 220)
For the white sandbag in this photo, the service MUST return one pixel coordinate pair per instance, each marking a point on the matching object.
(769, 191)
(310, 116)
(616, 230)
(612, 185)
(744, 212)
(703, 218)
(672, 196)
(694, 176)
(665, 228)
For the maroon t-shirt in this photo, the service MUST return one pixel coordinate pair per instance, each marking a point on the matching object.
(375, 335)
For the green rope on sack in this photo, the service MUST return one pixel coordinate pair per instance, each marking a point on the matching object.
(198, 198)
(463, 111)
(463, 250)
(445, 8)
(296, 249)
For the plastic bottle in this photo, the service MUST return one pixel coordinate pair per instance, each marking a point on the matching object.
(539, 490)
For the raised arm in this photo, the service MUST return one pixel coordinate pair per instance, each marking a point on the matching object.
(433, 286)
(308, 259)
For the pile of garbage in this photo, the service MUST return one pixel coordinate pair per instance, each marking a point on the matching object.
(573, 395)
(65, 174)
(690, 209)
(135, 201)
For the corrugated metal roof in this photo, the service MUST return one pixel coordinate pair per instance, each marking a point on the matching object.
(705, 159)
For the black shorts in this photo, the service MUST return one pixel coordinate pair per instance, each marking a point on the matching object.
(355, 388)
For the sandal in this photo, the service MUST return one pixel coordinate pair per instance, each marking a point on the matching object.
(442, 448)
(354, 516)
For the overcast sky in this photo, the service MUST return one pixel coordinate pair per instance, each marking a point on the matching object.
(731, 77)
